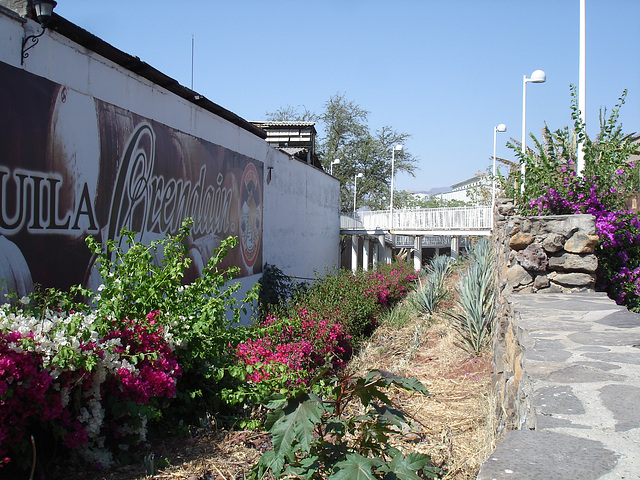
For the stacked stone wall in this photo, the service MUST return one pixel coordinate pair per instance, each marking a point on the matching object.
(534, 255)
(545, 254)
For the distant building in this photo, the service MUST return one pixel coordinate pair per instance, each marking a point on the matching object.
(465, 190)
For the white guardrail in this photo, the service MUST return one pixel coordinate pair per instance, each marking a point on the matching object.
(428, 219)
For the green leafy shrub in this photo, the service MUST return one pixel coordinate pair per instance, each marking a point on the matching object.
(554, 186)
(344, 435)
(318, 330)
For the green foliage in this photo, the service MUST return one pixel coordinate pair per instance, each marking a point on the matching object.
(343, 435)
(138, 279)
(431, 291)
(275, 288)
(405, 199)
(552, 165)
(346, 135)
(475, 303)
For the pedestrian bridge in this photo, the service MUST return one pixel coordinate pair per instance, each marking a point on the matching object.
(374, 234)
(457, 221)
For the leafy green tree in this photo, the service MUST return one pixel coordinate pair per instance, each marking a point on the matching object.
(346, 135)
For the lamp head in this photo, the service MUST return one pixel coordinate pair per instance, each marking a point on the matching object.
(44, 10)
(501, 128)
(336, 161)
(359, 175)
(538, 77)
(398, 148)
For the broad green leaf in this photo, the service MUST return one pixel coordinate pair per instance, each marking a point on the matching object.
(406, 468)
(391, 415)
(355, 467)
(295, 429)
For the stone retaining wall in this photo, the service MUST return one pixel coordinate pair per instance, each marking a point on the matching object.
(534, 255)
(545, 254)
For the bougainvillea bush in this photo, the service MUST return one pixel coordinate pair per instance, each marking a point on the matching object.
(91, 376)
(553, 186)
(61, 379)
(317, 331)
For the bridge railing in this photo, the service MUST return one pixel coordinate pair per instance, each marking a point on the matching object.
(457, 218)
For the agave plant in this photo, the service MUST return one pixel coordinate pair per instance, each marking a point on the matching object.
(476, 300)
(431, 292)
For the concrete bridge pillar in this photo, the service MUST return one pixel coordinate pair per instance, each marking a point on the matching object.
(355, 240)
(375, 254)
(417, 252)
(455, 247)
(366, 253)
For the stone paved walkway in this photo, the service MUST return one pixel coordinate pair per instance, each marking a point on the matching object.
(583, 359)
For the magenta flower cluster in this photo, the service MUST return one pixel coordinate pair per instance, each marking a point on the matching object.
(156, 369)
(619, 230)
(319, 329)
(137, 360)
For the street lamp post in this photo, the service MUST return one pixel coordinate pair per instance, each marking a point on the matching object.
(355, 188)
(396, 148)
(536, 77)
(335, 162)
(499, 128)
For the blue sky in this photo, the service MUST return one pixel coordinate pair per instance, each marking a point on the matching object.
(445, 72)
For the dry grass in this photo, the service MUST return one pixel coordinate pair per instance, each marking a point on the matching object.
(453, 425)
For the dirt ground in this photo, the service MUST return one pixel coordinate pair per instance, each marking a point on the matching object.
(453, 425)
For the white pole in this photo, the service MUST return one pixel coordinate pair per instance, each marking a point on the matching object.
(192, 49)
(393, 164)
(499, 128)
(524, 128)
(493, 184)
(582, 79)
(355, 187)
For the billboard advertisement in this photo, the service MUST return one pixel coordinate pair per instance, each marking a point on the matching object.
(72, 165)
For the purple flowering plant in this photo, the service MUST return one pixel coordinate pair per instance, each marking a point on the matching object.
(553, 186)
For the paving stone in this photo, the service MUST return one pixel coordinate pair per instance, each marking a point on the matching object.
(546, 455)
(544, 421)
(600, 365)
(582, 374)
(630, 358)
(557, 399)
(589, 348)
(605, 338)
(624, 402)
(548, 351)
(622, 319)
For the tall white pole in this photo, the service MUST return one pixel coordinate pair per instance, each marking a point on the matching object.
(499, 128)
(393, 164)
(355, 188)
(582, 79)
(192, 49)
(524, 129)
(493, 183)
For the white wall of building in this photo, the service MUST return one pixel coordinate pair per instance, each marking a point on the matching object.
(300, 203)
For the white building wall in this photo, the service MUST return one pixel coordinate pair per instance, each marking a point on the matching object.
(300, 204)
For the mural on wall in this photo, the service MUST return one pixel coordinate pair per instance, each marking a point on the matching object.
(72, 165)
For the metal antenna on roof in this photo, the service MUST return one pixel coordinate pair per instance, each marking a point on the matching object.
(192, 47)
